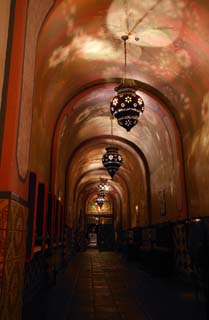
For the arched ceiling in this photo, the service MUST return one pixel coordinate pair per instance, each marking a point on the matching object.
(85, 125)
(79, 59)
(80, 43)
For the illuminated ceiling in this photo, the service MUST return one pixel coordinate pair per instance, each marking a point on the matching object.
(79, 61)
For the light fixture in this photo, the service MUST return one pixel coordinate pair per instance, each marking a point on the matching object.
(103, 186)
(112, 160)
(127, 105)
(100, 200)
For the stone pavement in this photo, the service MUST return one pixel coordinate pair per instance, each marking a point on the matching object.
(103, 285)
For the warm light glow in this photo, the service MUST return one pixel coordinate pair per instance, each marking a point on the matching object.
(84, 47)
(103, 186)
(94, 49)
(152, 31)
(93, 208)
(59, 55)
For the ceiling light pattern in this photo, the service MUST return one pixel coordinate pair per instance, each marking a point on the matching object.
(143, 22)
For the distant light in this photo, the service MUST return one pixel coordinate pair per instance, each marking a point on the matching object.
(100, 200)
(103, 187)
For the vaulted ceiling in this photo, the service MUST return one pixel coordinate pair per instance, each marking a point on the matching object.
(80, 60)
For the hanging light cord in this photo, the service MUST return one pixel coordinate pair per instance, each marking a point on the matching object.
(125, 38)
(125, 57)
(144, 16)
(111, 118)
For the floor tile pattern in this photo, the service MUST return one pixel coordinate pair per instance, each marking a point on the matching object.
(103, 285)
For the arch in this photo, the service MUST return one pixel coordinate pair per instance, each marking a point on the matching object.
(145, 88)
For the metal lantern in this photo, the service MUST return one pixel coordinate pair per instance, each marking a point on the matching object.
(100, 200)
(112, 160)
(126, 106)
(103, 187)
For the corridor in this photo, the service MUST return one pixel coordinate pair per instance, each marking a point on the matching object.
(104, 121)
(103, 285)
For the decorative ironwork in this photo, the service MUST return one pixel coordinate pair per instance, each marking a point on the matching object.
(103, 186)
(127, 105)
(112, 160)
(100, 200)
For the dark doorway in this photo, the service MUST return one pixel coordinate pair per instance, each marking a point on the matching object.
(106, 237)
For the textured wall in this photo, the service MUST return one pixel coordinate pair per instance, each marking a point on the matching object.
(13, 224)
(4, 205)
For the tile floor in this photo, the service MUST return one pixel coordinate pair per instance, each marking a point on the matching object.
(103, 285)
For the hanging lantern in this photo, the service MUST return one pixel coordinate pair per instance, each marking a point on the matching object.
(103, 187)
(126, 106)
(112, 160)
(100, 200)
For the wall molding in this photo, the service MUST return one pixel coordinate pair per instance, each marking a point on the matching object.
(13, 196)
(6, 72)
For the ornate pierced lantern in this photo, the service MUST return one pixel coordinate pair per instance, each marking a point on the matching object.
(112, 160)
(100, 200)
(127, 105)
(103, 186)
